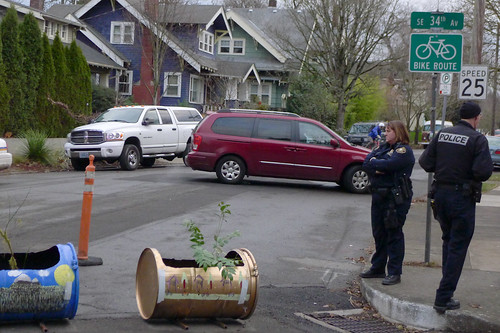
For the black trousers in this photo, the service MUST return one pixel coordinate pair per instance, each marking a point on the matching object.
(389, 243)
(456, 214)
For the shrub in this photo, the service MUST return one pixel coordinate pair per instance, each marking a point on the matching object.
(35, 147)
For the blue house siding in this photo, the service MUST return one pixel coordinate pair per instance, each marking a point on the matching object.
(100, 18)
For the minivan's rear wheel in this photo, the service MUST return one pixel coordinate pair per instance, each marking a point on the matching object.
(230, 170)
(355, 180)
(129, 160)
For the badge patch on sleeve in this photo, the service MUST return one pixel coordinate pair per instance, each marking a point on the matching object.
(401, 150)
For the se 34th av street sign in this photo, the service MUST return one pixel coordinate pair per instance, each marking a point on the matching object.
(435, 53)
(427, 20)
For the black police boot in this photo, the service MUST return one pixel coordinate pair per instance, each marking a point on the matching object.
(370, 274)
(452, 304)
(391, 279)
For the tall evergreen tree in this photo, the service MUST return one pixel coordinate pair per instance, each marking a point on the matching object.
(79, 73)
(62, 88)
(14, 75)
(4, 97)
(45, 111)
(30, 39)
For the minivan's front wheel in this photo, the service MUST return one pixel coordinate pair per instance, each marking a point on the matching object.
(355, 180)
(129, 160)
(230, 170)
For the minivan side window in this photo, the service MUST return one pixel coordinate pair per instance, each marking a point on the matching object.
(233, 126)
(313, 134)
(274, 129)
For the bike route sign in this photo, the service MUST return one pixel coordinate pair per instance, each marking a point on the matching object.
(435, 53)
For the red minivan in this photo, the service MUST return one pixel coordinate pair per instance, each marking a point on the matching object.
(235, 143)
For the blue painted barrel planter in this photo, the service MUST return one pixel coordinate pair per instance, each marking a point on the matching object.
(177, 289)
(45, 285)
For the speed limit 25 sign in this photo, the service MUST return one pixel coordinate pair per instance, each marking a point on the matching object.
(473, 82)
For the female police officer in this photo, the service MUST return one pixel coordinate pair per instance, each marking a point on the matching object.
(389, 168)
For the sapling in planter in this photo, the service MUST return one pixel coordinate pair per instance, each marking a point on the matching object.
(215, 258)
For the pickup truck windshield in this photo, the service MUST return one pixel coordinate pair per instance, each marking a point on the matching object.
(360, 129)
(126, 115)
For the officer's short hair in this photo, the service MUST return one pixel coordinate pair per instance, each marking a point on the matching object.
(400, 130)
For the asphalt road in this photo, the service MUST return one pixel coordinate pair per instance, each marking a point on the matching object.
(306, 237)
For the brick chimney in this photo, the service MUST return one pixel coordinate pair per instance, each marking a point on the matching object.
(151, 7)
(37, 4)
(273, 3)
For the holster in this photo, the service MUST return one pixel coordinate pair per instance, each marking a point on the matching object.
(391, 217)
(434, 208)
(476, 189)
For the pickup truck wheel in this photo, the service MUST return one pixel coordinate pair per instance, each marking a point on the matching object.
(230, 170)
(185, 154)
(148, 162)
(129, 160)
(79, 164)
(355, 180)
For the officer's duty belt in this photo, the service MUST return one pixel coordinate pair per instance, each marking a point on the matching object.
(450, 186)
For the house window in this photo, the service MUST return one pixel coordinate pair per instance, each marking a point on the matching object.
(261, 93)
(196, 89)
(232, 46)
(125, 83)
(172, 85)
(122, 32)
(207, 42)
(63, 32)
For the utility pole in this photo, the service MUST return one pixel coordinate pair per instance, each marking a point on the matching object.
(477, 32)
(495, 84)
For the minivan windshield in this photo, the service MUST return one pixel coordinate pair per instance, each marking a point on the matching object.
(125, 115)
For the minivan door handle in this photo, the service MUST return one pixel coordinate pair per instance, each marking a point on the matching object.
(300, 149)
(290, 149)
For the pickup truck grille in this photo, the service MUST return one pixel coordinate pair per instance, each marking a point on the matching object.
(87, 137)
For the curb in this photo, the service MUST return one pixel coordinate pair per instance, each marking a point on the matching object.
(423, 316)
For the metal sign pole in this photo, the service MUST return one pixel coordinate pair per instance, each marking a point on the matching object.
(443, 111)
(430, 175)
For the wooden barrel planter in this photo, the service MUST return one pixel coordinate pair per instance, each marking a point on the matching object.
(178, 289)
(45, 285)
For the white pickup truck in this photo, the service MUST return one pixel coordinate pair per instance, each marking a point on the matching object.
(133, 135)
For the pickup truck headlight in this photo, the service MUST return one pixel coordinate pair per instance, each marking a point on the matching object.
(114, 136)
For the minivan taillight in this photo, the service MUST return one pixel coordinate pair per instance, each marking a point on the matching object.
(196, 141)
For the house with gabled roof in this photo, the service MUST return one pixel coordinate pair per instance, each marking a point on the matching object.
(215, 57)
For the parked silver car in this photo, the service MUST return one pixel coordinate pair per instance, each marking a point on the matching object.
(494, 143)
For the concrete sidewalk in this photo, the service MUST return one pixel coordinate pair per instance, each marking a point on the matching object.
(411, 301)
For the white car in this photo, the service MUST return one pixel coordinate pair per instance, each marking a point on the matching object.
(5, 156)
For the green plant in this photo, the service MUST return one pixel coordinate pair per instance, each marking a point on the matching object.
(214, 258)
(35, 146)
(6, 239)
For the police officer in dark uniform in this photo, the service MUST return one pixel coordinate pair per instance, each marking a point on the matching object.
(460, 159)
(389, 168)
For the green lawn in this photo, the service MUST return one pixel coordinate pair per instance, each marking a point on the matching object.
(491, 183)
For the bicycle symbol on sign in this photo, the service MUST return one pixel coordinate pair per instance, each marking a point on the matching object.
(438, 47)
